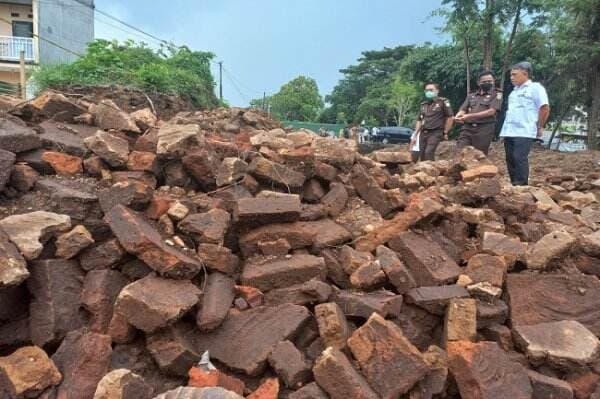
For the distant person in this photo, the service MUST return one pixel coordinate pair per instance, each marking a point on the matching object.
(354, 134)
(414, 147)
(526, 116)
(363, 135)
(478, 114)
(434, 122)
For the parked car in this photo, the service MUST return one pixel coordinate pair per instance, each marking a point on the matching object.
(392, 135)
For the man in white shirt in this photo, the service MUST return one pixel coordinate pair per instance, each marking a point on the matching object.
(527, 113)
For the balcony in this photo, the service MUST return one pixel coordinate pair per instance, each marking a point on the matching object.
(11, 47)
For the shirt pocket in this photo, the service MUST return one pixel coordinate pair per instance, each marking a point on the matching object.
(485, 104)
(526, 100)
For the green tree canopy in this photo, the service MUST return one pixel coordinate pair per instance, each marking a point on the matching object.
(297, 100)
(561, 38)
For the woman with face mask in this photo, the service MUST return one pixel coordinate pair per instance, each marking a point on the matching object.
(478, 114)
(434, 122)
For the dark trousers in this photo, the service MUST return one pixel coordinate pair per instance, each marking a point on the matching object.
(517, 159)
(414, 155)
(479, 136)
(428, 143)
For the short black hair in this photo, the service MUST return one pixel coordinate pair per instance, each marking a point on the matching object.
(523, 66)
(437, 86)
(485, 73)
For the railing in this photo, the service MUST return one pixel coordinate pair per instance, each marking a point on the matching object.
(11, 47)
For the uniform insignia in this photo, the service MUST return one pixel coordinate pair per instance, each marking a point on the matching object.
(499, 96)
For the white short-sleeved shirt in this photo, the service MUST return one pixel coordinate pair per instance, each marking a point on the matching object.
(524, 104)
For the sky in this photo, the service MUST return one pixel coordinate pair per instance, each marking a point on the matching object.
(265, 43)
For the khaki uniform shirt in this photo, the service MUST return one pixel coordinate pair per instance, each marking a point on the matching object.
(433, 114)
(480, 101)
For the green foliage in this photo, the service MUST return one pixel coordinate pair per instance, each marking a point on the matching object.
(561, 38)
(169, 70)
(357, 88)
(404, 100)
(297, 100)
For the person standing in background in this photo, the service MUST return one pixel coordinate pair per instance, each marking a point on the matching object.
(526, 116)
(434, 122)
(478, 114)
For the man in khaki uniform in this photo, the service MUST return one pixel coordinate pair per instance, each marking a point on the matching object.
(434, 122)
(478, 114)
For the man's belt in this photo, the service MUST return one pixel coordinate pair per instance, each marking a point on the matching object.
(479, 124)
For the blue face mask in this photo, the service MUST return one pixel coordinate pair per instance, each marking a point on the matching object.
(430, 95)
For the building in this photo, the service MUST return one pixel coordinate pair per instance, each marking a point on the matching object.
(43, 29)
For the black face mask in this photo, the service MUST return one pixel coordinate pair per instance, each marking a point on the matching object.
(486, 86)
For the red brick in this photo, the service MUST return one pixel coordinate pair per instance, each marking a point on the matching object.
(484, 371)
(214, 378)
(64, 164)
(390, 363)
(428, 263)
(253, 296)
(269, 389)
(142, 161)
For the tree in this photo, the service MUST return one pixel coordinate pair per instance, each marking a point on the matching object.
(297, 100)
(373, 68)
(403, 100)
(575, 26)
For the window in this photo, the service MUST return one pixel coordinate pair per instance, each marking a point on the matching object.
(14, 14)
(22, 29)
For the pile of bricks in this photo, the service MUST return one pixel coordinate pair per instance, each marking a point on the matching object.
(217, 255)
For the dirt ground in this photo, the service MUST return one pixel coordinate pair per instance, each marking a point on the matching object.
(543, 163)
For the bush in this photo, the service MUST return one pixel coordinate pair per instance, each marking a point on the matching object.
(168, 70)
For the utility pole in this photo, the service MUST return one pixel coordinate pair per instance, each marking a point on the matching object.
(264, 103)
(23, 78)
(221, 80)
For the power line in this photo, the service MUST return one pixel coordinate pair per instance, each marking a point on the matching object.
(248, 89)
(130, 26)
(47, 40)
(235, 86)
(76, 8)
(229, 75)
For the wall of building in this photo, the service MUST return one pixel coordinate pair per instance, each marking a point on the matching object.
(7, 10)
(10, 77)
(67, 23)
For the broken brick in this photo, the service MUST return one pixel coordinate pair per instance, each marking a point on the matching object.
(483, 371)
(333, 326)
(390, 363)
(427, 262)
(153, 302)
(267, 274)
(289, 364)
(335, 374)
(138, 237)
(214, 378)
(216, 300)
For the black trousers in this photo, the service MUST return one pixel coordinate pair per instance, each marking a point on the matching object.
(517, 159)
(428, 143)
(479, 136)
